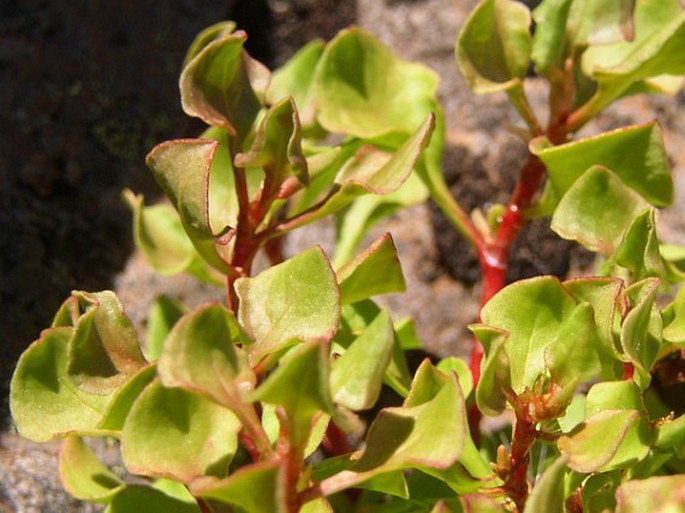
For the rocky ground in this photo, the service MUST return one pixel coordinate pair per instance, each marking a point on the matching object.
(89, 86)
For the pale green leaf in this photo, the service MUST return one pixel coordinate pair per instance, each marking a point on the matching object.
(549, 39)
(173, 433)
(300, 384)
(636, 154)
(493, 48)
(216, 86)
(495, 375)
(641, 328)
(363, 90)
(84, 476)
(534, 313)
(255, 488)
(182, 169)
(200, 355)
(277, 148)
(298, 299)
(120, 406)
(674, 329)
(150, 500)
(357, 376)
(659, 493)
(548, 493)
(104, 351)
(597, 210)
(296, 79)
(45, 403)
(216, 31)
(375, 271)
(164, 313)
(625, 437)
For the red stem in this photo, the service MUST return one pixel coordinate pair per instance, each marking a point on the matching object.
(335, 442)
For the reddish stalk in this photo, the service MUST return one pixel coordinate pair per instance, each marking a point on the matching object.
(335, 442)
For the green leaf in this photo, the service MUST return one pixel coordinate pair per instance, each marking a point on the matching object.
(216, 31)
(614, 395)
(548, 493)
(200, 355)
(636, 154)
(671, 436)
(639, 251)
(655, 51)
(149, 500)
(625, 439)
(104, 351)
(427, 432)
(45, 403)
(120, 406)
(597, 210)
(659, 493)
(182, 169)
(549, 39)
(277, 148)
(164, 313)
(173, 433)
(363, 90)
(296, 79)
(356, 221)
(357, 376)
(534, 313)
(298, 299)
(494, 46)
(603, 294)
(255, 488)
(368, 171)
(374, 271)
(480, 503)
(461, 369)
(572, 358)
(496, 370)
(300, 384)
(601, 22)
(641, 329)
(159, 234)
(216, 86)
(84, 476)
(674, 331)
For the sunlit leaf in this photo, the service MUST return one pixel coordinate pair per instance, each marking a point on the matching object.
(658, 493)
(200, 355)
(159, 234)
(216, 86)
(84, 476)
(625, 436)
(549, 39)
(255, 488)
(298, 299)
(149, 500)
(375, 271)
(533, 312)
(641, 329)
(548, 493)
(120, 406)
(296, 78)
(597, 210)
(300, 384)
(369, 171)
(494, 45)
(356, 221)
(357, 376)
(277, 148)
(427, 432)
(45, 403)
(216, 31)
(363, 90)
(173, 433)
(635, 154)
(182, 168)
(674, 331)
(164, 313)
(104, 351)
(496, 370)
